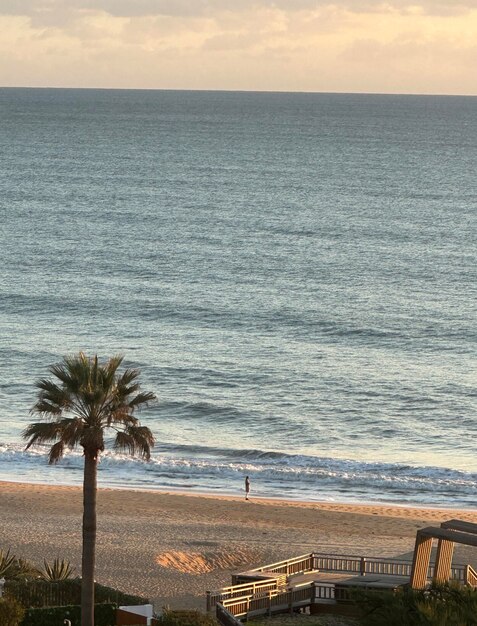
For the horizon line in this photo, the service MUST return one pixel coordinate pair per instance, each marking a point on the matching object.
(255, 91)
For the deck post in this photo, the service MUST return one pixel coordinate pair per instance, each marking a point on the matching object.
(362, 566)
(421, 560)
(209, 603)
(442, 571)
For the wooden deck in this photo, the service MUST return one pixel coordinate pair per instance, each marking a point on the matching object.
(312, 581)
(347, 580)
(315, 579)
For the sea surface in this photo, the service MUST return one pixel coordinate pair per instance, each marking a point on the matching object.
(295, 275)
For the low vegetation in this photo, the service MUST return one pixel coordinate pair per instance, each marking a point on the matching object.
(42, 593)
(104, 615)
(11, 612)
(441, 605)
(57, 571)
(186, 618)
(13, 568)
(304, 620)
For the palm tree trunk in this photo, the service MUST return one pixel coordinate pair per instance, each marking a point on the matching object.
(89, 539)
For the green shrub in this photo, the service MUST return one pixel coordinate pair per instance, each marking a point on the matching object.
(104, 615)
(440, 605)
(186, 618)
(11, 612)
(40, 593)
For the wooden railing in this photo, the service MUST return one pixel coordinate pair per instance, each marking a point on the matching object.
(225, 617)
(278, 602)
(253, 595)
(297, 565)
(361, 565)
(250, 606)
(254, 588)
(470, 576)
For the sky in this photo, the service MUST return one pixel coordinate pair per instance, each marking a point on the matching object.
(393, 46)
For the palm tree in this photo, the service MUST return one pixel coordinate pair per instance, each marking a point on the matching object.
(80, 405)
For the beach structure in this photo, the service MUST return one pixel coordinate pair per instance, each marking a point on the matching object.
(321, 583)
(450, 532)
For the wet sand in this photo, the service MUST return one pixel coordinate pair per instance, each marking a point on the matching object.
(173, 547)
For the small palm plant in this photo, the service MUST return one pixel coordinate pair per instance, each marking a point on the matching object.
(13, 568)
(23, 570)
(84, 401)
(57, 571)
(7, 563)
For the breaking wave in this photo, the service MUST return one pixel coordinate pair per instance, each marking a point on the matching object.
(274, 474)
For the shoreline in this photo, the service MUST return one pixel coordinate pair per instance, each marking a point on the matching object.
(172, 547)
(324, 504)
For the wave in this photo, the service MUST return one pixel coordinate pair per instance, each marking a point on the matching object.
(203, 468)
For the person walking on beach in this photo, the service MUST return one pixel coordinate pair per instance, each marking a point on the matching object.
(247, 487)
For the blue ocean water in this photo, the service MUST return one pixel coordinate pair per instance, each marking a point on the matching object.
(295, 275)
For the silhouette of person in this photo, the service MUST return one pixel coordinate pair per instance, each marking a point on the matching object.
(247, 487)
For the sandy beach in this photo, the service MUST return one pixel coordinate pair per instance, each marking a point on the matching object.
(173, 547)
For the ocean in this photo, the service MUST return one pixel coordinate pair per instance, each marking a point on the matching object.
(295, 275)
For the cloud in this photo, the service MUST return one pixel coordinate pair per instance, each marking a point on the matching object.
(52, 11)
(307, 45)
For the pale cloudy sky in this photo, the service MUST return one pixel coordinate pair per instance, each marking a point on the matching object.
(397, 46)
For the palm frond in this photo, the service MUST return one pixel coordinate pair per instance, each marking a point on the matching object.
(109, 371)
(135, 440)
(120, 414)
(72, 430)
(125, 443)
(52, 399)
(142, 400)
(41, 432)
(47, 408)
(120, 410)
(56, 452)
(127, 377)
(70, 381)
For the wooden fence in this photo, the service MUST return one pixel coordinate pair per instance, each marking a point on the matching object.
(226, 618)
(40, 593)
(249, 606)
(470, 576)
(253, 588)
(360, 565)
(297, 565)
(279, 602)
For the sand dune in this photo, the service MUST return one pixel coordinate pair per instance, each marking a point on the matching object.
(205, 562)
